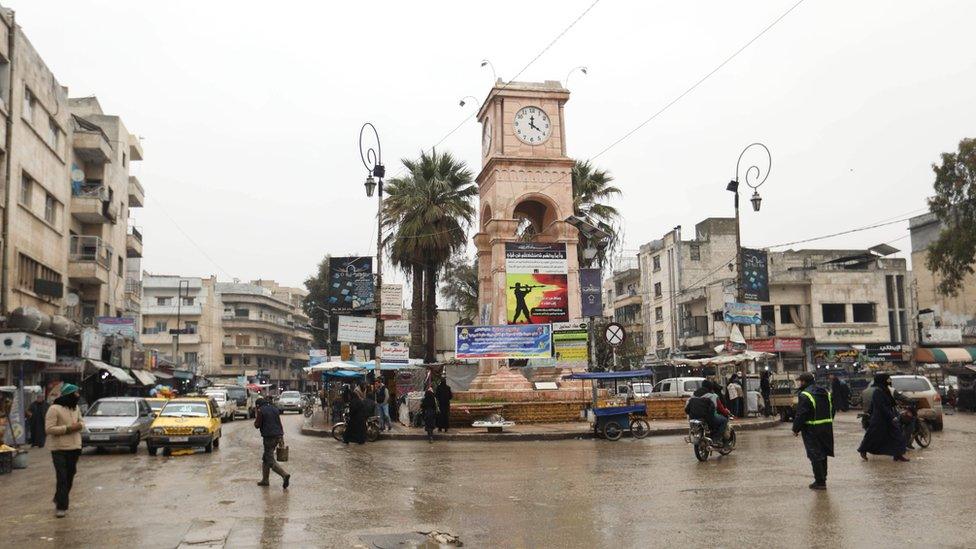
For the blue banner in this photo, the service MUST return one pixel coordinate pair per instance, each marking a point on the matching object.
(591, 290)
(743, 313)
(755, 275)
(510, 341)
(351, 286)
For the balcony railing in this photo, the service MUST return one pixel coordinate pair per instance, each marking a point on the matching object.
(90, 189)
(133, 287)
(136, 232)
(90, 248)
(694, 326)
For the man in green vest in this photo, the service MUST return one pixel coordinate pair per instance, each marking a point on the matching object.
(815, 420)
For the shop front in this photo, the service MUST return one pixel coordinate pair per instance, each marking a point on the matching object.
(24, 355)
(790, 352)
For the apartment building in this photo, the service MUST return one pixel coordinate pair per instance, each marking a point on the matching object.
(181, 321)
(943, 319)
(628, 312)
(265, 332)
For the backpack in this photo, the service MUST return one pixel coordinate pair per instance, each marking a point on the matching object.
(700, 408)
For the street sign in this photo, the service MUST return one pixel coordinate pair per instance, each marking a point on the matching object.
(614, 334)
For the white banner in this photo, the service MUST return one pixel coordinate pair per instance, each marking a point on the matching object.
(395, 351)
(391, 301)
(396, 328)
(357, 329)
(24, 346)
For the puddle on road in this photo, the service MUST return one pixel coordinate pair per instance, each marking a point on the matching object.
(418, 540)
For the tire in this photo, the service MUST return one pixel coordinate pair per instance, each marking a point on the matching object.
(338, 431)
(216, 442)
(727, 449)
(937, 426)
(209, 447)
(923, 434)
(702, 451)
(134, 448)
(612, 430)
(639, 428)
(372, 433)
(152, 450)
(309, 412)
(783, 417)
(166, 451)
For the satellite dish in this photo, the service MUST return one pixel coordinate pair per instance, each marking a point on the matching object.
(77, 176)
(71, 300)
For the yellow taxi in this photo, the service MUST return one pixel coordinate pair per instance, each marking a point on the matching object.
(157, 404)
(186, 423)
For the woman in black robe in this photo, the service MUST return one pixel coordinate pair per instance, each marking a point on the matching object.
(444, 396)
(884, 434)
(356, 425)
(428, 407)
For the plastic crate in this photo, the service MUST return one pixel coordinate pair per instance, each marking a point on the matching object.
(6, 462)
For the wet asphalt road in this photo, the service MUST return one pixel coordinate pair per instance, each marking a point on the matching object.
(576, 493)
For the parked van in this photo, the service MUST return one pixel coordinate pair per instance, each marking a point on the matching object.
(677, 387)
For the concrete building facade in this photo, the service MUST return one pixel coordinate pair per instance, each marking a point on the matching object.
(186, 308)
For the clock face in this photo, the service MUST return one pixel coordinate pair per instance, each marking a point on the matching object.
(486, 138)
(532, 125)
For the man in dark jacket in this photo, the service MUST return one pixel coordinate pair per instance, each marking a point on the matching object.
(444, 396)
(840, 392)
(814, 419)
(766, 390)
(35, 420)
(268, 420)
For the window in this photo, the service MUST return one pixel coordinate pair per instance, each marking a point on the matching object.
(190, 358)
(53, 133)
(28, 109)
(659, 338)
(30, 272)
(228, 360)
(121, 267)
(163, 301)
(242, 340)
(864, 312)
(124, 164)
(26, 190)
(657, 289)
(769, 315)
(658, 314)
(718, 316)
(657, 262)
(834, 312)
(695, 250)
(789, 314)
(161, 327)
(51, 207)
(191, 327)
(241, 313)
(187, 301)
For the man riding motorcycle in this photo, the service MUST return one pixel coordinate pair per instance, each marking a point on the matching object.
(705, 406)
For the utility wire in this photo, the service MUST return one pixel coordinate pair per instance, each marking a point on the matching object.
(188, 237)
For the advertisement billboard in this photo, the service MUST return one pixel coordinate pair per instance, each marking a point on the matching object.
(508, 341)
(591, 291)
(357, 329)
(755, 274)
(351, 284)
(569, 341)
(110, 325)
(395, 351)
(396, 328)
(317, 356)
(24, 346)
(391, 301)
(743, 313)
(536, 283)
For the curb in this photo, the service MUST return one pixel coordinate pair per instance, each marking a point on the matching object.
(311, 431)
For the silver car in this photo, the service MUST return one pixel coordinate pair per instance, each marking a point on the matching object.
(290, 401)
(117, 421)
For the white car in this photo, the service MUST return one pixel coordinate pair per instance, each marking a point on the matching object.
(290, 401)
(677, 387)
(920, 389)
(227, 405)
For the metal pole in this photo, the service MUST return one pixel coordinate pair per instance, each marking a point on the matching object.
(740, 293)
(590, 344)
(379, 276)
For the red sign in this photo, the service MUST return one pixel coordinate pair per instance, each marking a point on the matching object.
(777, 345)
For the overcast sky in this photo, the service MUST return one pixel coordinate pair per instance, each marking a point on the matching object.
(251, 110)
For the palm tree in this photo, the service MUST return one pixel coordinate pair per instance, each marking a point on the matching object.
(461, 287)
(428, 211)
(591, 191)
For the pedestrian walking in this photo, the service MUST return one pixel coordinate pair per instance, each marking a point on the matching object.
(428, 408)
(735, 395)
(63, 424)
(356, 423)
(840, 392)
(36, 416)
(267, 418)
(383, 406)
(884, 435)
(444, 396)
(815, 421)
(766, 390)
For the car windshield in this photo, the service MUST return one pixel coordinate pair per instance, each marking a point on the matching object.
(157, 405)
(642, 387)
(693, 385)
(104, 408)
(185, 409)
(910, 384)
(290, 394)
(219, 397)
(236, 393)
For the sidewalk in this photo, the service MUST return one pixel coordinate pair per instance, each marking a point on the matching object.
(315, 426)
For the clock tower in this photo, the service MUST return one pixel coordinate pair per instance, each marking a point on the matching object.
(525, 191)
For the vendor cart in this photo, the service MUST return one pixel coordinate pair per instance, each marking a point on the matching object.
(610, 421)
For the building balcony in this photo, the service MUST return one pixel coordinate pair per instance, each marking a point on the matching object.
(90, 203)
(91, 146)
(137, 196)
(89, 260)
(133, 288)
(165, 338)
(135, 148)
(171, 310)
(133, 243)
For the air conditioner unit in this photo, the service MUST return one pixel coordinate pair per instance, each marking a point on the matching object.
(88, 320)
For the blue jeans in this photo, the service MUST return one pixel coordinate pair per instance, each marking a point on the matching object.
(383, 411)
(721, 423)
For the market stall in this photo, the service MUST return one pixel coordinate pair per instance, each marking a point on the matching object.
(611, 418)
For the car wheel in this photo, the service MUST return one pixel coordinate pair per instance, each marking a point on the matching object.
(937, 425)
(216, 442)
(209, 447)
(134, 448)
(152, 450)
(166, 451)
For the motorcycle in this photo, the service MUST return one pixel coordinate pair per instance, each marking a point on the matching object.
(915, 427)
(703, 444)
(308, 408)
(372, 427)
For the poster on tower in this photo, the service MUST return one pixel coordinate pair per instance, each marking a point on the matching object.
(351, 285)
(536, 283)
(755, 275)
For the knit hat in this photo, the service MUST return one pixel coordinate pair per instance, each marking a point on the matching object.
(68, 388)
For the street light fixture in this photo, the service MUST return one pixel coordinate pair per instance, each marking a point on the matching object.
(462, 102)
(370, 185)
(758, 176)
(373, 161)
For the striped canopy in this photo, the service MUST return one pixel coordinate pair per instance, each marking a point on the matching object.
(946, 355)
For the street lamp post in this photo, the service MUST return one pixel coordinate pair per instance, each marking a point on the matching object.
(375, 171)
(759, 178)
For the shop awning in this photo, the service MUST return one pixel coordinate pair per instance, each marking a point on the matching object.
(144, 377)
(945, 355)
(159, 374)
(611, 375)
(117, 373)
